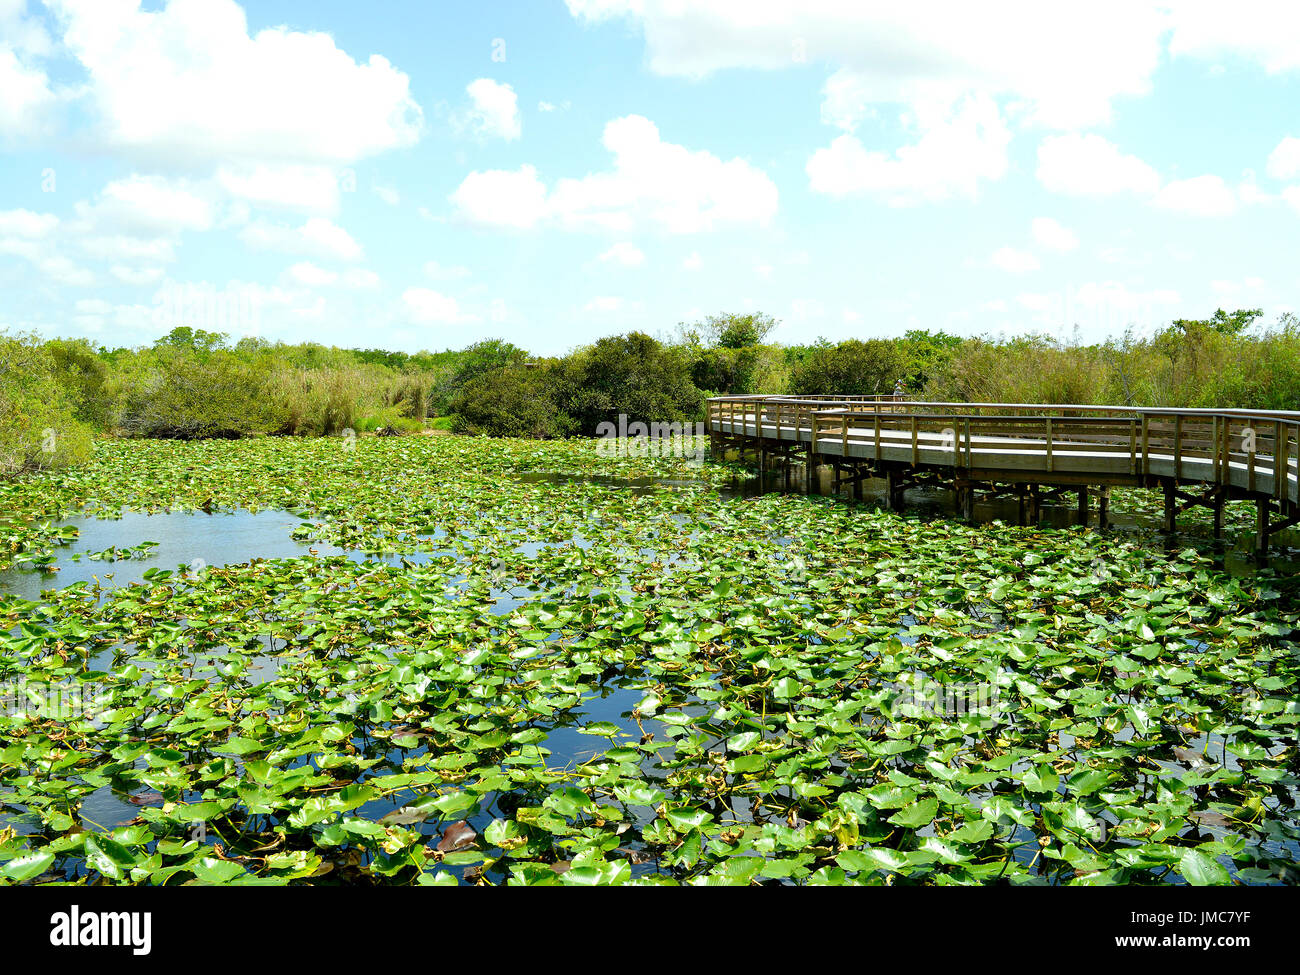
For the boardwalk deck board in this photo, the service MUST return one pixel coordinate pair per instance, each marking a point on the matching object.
(1232, 453)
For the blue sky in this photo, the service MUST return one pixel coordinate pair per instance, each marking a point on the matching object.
(422, 175)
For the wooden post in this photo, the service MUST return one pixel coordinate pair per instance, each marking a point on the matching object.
(762, 468)
(1261, 529)
(1171, 505)
(1083, 505)
(1103, 507)
(1022, 504)
(1218, 513)
(858, 475)
(893, 491)
(966, 499)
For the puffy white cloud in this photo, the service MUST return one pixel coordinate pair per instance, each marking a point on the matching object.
(624, 253)
(1014, 261)
(25, 223)
(1200, 196)
(318, 237)
(1284, 160)
(653, 181)
(188, 84)
(1067, 68)
(47, 261)
(359, 278)
(692, 261)
(282, 186)
(1052, 235)
(424, 306)
(502, 198)
(1260, 31)
(27, 97)
(1089, 165)
(309, 275)
(604, 303)
(493, 112)
(149, 205)
(956, 151)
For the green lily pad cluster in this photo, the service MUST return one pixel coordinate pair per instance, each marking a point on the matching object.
(566, 680)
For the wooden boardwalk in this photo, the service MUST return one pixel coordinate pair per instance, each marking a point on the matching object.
(1032, 451)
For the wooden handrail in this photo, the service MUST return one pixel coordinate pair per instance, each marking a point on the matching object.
(1230, 447)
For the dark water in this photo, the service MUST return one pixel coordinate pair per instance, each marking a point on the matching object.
(234, 537)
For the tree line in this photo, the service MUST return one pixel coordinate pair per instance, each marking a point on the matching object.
(57, 394)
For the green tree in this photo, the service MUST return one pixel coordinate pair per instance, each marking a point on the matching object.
(38, 423)
(851, 367)
(630, 374)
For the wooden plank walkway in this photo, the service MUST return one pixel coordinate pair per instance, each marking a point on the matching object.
(1223, 454)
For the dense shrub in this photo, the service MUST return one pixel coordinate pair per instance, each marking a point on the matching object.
(850, 367)
(39, 426)
(514, 401)
(633, 375)
(186, 396)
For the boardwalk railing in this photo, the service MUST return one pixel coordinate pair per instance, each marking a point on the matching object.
(1231, 453)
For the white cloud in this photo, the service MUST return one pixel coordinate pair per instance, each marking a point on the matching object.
(624, 253)
(1052, 235)
(308, 189)
(1284, 160)
(1291, 196)
(442, 272)
(654, 182)
(493, 112)
(502, 198)
(25, 223)
(424, 306)
(956, 151)
(318, 237)
(1200, 196)
(310, 275)
(1089, 165)
(1066, 68)
(187, 84)
(388, 194)
(359, 278)
(149, 205)
(604, 303)
(136, 275)
(1261, 31)
(27, 95)
(1014, 261)
(50, 264)
(692, 261)
(1117, 296)
(123, 247)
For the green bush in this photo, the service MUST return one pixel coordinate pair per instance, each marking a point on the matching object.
(39, 426)
(514, 401)
(851, 367)
(634, 375)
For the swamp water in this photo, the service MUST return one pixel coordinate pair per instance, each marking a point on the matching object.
(686, 723)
